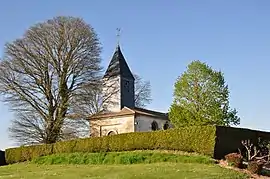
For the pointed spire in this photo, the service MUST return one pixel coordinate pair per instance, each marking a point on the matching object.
(118, 65)
(118, 35)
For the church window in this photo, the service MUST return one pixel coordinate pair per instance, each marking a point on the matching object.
(127, 85)
(154, 126)
(166, 126)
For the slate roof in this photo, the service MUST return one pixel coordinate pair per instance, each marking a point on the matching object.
(148, 112)
(131, 111)
(118, 66)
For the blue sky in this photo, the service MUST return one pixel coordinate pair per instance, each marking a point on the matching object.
(159, 38)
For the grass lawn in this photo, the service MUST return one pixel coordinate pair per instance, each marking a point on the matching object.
(134, 171)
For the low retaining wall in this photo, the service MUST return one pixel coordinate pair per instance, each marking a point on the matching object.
(2, 158)
(228, 139)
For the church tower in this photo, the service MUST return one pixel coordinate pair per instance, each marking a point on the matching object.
(120, 82)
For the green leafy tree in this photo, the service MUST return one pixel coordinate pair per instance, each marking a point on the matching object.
(201, 97)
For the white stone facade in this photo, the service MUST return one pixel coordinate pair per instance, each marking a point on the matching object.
(117, 125)
(126, 121)
(144, 123)
(112, 94)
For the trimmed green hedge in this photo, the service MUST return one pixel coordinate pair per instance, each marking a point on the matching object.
(199, 139)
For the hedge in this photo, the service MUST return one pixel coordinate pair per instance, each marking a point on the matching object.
(199, 139)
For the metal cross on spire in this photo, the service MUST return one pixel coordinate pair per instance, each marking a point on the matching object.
(118, 35)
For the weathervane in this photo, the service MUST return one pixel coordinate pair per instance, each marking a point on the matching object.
(118, 35)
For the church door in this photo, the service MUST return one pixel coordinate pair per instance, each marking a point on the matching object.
(111, 133)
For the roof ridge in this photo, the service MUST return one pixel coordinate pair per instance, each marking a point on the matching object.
(148, 110)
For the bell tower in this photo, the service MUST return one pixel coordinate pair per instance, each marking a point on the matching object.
(120, 80)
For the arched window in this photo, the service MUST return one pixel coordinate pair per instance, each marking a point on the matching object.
(111, 133)
(166, 126)
(154, 126)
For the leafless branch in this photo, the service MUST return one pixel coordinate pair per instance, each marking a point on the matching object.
(142, 92)
(252, 150)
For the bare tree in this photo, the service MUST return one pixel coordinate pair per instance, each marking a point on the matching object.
(142, 92)
(28, 128)
(44, 71)
(94, 100)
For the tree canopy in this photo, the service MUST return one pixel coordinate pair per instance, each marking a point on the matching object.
(52, 79)
(201, 97)
(44, 70)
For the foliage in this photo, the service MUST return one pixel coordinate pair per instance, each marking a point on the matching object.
(234, 159)
(24, 153)
(199, 139)
(120, 158)
(255, 167)
(165, 170)
(201, 97)
(42, 73)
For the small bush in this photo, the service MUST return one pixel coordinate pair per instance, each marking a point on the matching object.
(255, 167)
(234, 159)
(120, 158)
(199, 139)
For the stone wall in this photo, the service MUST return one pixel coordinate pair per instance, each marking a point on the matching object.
(111, 91)
(143, 123)
(228, 139)
(118, 125)
(2, 158)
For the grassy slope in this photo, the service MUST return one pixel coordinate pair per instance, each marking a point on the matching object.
(135, 171)
(145, 164)
(135, 157)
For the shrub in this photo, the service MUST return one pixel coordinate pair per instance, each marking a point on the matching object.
(120, 158)
(234, 159)
(255, 167)
(24, 153)
(199, 139)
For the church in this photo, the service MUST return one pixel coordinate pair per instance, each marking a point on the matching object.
(121, 115)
